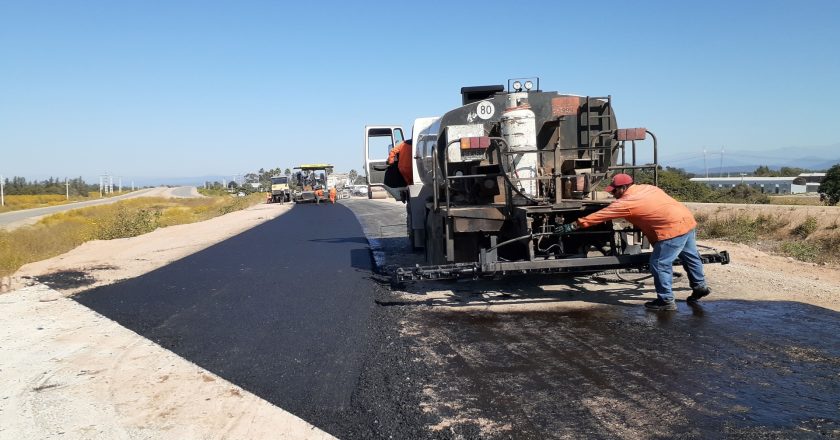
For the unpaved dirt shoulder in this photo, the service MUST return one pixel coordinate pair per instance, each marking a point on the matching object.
(68, 372)
(755, 275)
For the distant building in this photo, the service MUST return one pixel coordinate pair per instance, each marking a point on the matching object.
(812, 181)
(813, 177)
(767, 185)
(338, 180)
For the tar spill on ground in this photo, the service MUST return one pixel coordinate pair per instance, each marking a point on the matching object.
(720, 369)
(67, 279)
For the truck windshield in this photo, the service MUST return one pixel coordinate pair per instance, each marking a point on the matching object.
(279, 180)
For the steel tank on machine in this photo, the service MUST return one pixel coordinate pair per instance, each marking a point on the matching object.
(518, 128)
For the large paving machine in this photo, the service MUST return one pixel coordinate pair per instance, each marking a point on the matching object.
(310, 178)
(493, 179)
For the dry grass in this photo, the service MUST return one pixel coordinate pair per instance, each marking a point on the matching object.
(804, 237)
(796, 200)
(59, 233)
(18, 202)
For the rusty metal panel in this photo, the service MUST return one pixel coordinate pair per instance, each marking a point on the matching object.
(631, 134)
(565, 106)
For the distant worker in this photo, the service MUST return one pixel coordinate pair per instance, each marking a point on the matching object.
(667, 224)
(332, 195)
(268, 197)
(319, 194)
(401, 155)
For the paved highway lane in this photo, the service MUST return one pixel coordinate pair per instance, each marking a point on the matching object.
(285, 310)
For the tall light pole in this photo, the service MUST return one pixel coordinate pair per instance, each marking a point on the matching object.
(2, 195)
(720, 170)
(705, 166)
(67, 188)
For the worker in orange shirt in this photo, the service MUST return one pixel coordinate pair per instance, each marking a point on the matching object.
(402, 156)
(332, 195)
(319, 194)
(668, 225)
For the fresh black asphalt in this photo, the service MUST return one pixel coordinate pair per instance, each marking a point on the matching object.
(285, 310)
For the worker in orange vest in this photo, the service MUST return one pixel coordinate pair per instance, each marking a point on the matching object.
(667, 224)
(319, 194)
(402, 155)
(332, 195)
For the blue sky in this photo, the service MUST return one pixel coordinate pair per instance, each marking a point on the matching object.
(191, 88)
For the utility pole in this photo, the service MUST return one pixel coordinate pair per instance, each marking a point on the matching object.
(2, 188)
(67, 188)
(720, 170)
(705, 166)
(101, 185)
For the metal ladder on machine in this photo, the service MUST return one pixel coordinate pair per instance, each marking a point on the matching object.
(595, 117)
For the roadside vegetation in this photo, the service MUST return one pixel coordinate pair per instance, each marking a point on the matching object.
(18, 202)
(801, 236)
(804, 238)
(59, 233)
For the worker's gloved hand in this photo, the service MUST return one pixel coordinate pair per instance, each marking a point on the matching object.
(565, 229)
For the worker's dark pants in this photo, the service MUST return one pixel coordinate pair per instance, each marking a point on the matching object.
(662, 259)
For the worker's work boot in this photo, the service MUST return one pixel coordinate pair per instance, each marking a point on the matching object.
(660, 304)
(698, 292)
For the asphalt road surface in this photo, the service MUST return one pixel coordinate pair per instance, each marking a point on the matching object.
(292, 311)
(285, 310)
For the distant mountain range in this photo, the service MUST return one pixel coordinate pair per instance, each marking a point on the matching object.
(736, 161)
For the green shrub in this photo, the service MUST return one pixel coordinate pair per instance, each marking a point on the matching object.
(830, 247)
(806, 228)
(830, 186)
(740, 227)
(801, 250)
(128, 223)
(738, 194)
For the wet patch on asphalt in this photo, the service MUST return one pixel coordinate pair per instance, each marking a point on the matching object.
(732, 368)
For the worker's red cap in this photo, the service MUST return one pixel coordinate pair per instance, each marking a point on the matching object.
(619, 180)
